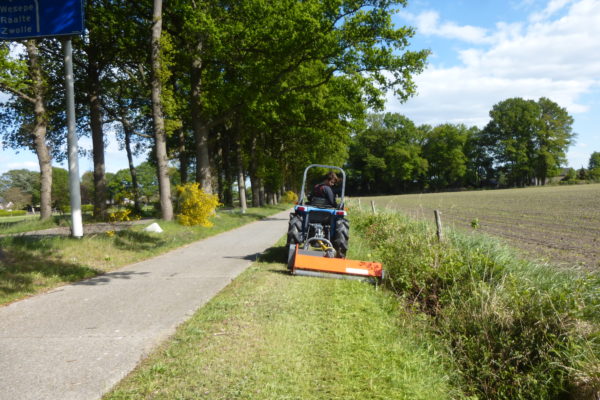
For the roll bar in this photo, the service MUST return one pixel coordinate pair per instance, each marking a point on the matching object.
(301, 200)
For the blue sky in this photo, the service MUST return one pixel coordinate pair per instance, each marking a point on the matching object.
(483, 52)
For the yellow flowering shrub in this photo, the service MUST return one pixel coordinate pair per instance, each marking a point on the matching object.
(195, 206)
(122, 216)
(289, 197)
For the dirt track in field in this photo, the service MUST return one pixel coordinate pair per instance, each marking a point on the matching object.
(558, 224)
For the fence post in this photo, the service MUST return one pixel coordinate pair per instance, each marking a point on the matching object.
(373, 207)
(438, 222)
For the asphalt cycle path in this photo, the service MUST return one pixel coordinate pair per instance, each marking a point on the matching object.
(79, 340)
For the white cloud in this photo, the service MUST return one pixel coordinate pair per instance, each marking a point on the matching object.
(32, 165)
(552, 53)
(557, 59)
(428, 23)
(552, 8)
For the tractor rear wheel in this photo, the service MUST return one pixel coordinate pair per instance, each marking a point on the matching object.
(342, 235)
(291, 256)
(294, 234)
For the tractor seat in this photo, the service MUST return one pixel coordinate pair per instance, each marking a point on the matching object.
(319, 217)
(319, 202)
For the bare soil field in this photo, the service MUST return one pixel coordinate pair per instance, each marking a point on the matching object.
(558, 224)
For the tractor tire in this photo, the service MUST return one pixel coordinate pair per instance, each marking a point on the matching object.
(294, 234)
(291, 256)
(342, 235)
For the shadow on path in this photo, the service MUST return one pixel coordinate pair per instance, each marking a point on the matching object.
(106, 278)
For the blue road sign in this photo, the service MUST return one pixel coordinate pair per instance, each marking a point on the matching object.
(26, 19)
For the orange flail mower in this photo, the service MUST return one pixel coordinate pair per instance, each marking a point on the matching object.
(316, 263)
(318, 237)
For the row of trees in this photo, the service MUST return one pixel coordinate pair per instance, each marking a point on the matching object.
(225, 90)
(524, 143)
(22, 187)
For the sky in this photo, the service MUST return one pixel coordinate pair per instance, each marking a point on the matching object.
(482, 52)
(486, 51)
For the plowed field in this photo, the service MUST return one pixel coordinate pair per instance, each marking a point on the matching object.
(559, 224)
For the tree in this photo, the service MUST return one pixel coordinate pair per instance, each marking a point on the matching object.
(60, 189)
(24, 181)
(551, 140)
(594, 160)
(445, 150)
(247, 59)
(594, 166)
(87, 187)
(160, 144)
(386, 157)
(528, 139)
(17, 197)
(121, 186)
(571, 175)
(480, 163)
(27, 114)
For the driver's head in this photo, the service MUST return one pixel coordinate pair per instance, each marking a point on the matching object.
(331, 178)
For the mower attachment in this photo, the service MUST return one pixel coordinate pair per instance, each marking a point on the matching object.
(316, 263)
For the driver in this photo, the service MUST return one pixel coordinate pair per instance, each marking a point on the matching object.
(322, 194)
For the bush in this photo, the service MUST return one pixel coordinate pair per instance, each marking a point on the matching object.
(194, 205)
(15, 213)
(289, 197)
(518, 330)
(123, 215)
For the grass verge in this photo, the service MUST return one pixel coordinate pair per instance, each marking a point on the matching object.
(33, 264)
(516, 329)
(269, 335)
(28, 223)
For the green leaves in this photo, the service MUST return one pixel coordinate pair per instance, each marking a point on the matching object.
(528, 139)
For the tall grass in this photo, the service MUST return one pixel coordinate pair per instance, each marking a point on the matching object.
(517, 330)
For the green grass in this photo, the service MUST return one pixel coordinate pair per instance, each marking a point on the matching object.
(28, 223)
(30, 265)
(517, 330)
(269, 335)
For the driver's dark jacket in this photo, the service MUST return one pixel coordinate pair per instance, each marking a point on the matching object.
(323, 196)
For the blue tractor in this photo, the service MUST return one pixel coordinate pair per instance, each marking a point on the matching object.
(315, 227)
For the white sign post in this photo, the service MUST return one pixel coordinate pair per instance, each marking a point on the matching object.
(30, 19)
(74, 188)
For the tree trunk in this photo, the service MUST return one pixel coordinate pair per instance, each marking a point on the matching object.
(261, 193)
(254, 183)
(241, 179)
(135, 187)
(184, 159)
(226, 166)
(39, 130)
(201, 131)
(97, 136)
(164, 183)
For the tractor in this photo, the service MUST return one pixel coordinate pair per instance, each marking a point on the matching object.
(317, 238)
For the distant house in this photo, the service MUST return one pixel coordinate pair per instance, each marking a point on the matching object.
(6, 206)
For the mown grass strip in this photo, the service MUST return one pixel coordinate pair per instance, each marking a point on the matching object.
(30, 265)
(269, 335)
(27, 223)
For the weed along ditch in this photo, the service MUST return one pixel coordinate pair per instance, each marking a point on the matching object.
(460, 319)
(514, 329)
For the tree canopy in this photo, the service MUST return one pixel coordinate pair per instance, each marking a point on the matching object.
(528, 139)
